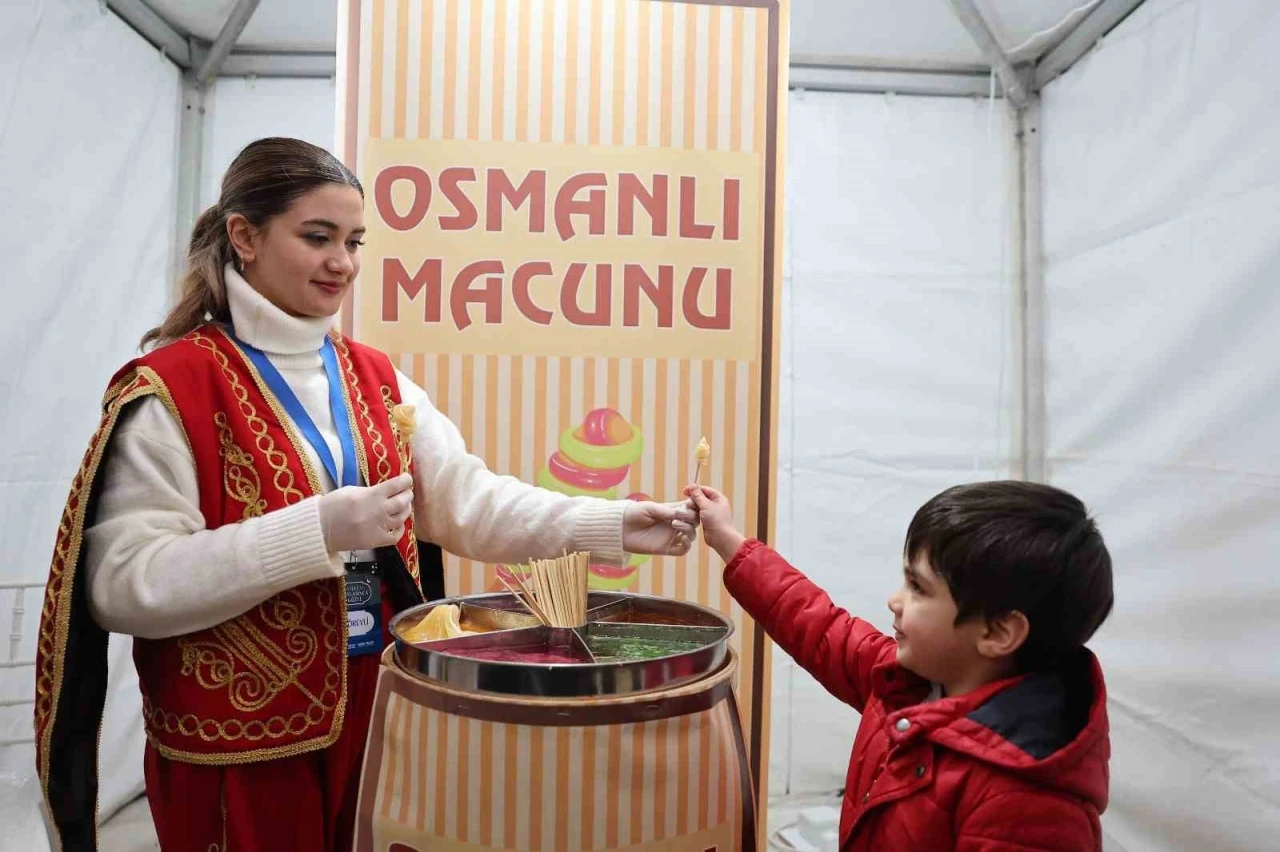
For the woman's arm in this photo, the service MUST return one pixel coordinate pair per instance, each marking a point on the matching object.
(153, 568)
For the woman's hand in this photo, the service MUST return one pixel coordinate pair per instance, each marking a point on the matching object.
(360, 518)
(664, 529)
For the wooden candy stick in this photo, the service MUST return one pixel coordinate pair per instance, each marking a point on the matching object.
(564, 569)
(539, 605)
(701, 456)
(563, 590)
(520, 578)
(571, 591)
(546, 594)
(556, 592)
(539, 593)
(584, 582)
(540, 589)
(562, 602)
(528, 604)
(580, 586)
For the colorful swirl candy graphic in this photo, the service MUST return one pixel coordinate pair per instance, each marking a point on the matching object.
(592, 460)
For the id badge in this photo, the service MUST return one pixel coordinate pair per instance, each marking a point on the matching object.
(364, 614)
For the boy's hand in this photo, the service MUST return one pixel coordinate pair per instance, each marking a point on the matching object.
(667, 529)
(716, 518)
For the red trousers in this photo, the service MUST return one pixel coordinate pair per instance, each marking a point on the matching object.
(306, 802)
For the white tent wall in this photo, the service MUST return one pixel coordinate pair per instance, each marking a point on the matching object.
(88, 154)
(1161, 200)
(242, 109)
(897, 365)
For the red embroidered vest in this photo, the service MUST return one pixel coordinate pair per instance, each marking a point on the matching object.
(269, 683)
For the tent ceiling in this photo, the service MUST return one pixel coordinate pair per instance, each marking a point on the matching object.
(276, 25)
(864, 31)
(911, 31)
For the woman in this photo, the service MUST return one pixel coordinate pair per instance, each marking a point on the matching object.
(244, 480)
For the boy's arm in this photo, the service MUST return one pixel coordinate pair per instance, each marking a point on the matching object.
(1028, 822)
(833, 646)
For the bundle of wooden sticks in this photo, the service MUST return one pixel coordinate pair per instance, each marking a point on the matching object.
(554, 590)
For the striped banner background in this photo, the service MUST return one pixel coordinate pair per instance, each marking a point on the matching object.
(691, 75)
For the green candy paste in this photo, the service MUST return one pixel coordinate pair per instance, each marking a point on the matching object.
(610, 649)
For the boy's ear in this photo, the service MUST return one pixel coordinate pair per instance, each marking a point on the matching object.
(1004, 635)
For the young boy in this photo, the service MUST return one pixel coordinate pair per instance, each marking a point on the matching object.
(984, 722)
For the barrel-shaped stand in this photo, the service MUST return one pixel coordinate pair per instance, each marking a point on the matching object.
(451, 769)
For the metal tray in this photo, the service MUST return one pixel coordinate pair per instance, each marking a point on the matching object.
(611, 618)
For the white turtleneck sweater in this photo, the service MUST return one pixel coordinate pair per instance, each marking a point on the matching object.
(155, 570)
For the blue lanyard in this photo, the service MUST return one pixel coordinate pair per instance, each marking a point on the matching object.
(294, 408)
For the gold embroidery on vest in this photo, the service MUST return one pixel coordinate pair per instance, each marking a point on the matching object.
(252, 667)
(402, 446)
(238, 474)
(266, 676)
(411, 561)
(411, 550)
(375, 437)
(283, 477)
(55, 612)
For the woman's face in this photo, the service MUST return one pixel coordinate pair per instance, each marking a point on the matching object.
(305, 259)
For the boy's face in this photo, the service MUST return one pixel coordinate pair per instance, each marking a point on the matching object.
(930, 643)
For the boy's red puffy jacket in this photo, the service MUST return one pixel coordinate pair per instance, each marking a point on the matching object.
(1017, 766)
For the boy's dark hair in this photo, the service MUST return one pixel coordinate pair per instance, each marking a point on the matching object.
(1004, 546)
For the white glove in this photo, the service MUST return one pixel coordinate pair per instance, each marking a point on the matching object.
(360, 518)
(665, 529)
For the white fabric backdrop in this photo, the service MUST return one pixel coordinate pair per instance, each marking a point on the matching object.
(896, 344)
(1162, 195)
(240, 110)
(88, 152)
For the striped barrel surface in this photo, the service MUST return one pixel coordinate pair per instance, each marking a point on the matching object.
(441, 780)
